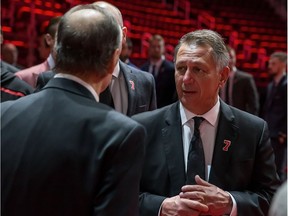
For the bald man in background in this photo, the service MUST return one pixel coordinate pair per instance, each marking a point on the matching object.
(133, 90)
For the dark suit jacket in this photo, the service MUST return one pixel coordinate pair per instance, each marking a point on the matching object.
(12, 87)
(75, 157)
(8, 67)
(246, 170)
(275, 108)
(140, 87)
(245, 94)
(165, 83)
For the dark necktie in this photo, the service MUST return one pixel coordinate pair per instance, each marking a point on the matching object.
(196, 158)
(106, 97)
(227, 94)
(154, 70)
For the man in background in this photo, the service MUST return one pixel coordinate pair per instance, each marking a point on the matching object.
(131, 91)
(275, 110)
(162, 70)
(30, 75)
(240, 90)
(72, 156)
(126, 52)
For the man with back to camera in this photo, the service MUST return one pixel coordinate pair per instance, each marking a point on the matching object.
(76, 156)
(202, 156)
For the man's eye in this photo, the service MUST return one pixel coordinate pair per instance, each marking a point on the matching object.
(197, 70)
(181, 69)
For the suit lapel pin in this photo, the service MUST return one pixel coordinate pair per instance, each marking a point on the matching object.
(132, 84)
(227, 144)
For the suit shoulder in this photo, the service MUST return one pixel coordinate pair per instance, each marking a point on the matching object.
(246, 117)
(152, 116)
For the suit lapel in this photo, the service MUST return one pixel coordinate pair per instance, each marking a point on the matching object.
(172, 138)
(131, 85)
(226, 136)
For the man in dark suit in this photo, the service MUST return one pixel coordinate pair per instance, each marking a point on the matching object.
(162, 70)
(132, 90)
(240, 90)
(203, 136)
(275, 110)
(12, 87)
(72, 155)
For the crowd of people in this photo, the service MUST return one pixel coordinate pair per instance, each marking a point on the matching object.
(87, 132)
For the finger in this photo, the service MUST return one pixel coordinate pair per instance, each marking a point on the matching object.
(197, 196)
(201, 181)
(195, 205)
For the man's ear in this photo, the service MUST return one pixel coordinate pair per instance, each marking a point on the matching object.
(224, 75)
(124, 32)
(49, 40)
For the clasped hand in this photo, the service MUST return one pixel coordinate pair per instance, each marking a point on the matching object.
(200, 199)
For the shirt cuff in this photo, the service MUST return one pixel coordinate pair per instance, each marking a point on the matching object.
(234, 207)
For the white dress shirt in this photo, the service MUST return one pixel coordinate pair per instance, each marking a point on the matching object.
(208, 129)
(119, 91)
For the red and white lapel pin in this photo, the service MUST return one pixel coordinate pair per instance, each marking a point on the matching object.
(227, 144)
(132, 84)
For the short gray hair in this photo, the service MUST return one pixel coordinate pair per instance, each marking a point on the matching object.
(282, 56)
(207, 38)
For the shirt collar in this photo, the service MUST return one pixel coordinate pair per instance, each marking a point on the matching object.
(116, 70)
(80, 81)
(51, 61)
(210, 116)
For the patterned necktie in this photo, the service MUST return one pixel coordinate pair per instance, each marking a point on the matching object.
(196, 157)
(106, 97)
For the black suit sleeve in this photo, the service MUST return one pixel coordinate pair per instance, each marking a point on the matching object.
(120, 186)
(255, 200)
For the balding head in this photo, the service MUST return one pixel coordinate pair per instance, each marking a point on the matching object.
(112, 9)
(115, 12)
(87, 39)
(9, 53)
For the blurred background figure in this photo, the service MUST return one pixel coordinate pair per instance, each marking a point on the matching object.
(30, 75)
(5, 66)
(9, 54)
(275, 110)
(162, 70)
(240, 89)
(12, 87)
(43, 48)
(126, 52)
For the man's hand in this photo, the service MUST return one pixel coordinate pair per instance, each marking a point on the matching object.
(218, 201)
(175, 206)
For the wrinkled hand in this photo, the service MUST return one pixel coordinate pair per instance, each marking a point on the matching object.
(175, 206)
(218, 201)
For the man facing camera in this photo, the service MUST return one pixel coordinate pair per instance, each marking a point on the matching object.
(204, 157)
(75, 156)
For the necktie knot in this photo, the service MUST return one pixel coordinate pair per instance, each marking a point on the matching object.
(197, 122)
